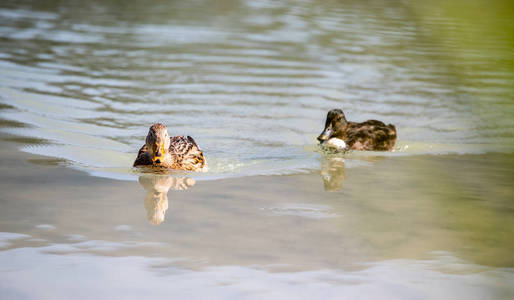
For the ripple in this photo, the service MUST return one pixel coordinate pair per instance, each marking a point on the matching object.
(252, 86)
(311, 211)
(441, 276)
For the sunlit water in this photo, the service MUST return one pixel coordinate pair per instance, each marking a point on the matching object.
(250, 81)
(153, 277)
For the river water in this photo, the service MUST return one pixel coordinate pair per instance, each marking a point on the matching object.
(251, 81)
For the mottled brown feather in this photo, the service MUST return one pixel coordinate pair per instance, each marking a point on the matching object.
(183, 153)
(188, 155)
(143, 159)
(371, 135)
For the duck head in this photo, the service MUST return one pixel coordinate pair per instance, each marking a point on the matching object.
(157, 142)
(335, 125)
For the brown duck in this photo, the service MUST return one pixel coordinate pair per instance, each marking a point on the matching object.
(371, 135)
(178, 152)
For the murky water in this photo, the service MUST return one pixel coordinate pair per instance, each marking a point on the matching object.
(251, 81)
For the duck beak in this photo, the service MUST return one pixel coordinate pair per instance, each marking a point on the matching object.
(326, 134)
(158, 155)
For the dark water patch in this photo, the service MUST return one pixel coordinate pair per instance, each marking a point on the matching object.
(49, 161)
(11, 123)
(5, 106)
(23, 140)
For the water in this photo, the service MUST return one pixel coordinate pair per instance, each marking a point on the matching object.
(251, 81)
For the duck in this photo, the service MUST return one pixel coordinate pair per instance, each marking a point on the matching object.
(371, 135)
(177, 152)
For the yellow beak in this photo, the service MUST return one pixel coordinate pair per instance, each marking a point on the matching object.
(161, 147)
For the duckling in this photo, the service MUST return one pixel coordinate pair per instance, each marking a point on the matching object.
(371, 135)
(178, 152)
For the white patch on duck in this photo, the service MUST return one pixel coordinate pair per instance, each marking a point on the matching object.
(335, 143)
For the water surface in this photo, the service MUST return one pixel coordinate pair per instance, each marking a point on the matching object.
(251, 81)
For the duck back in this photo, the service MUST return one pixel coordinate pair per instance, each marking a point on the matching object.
(187, 155)
(371, 135)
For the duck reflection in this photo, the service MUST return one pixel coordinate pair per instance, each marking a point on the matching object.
(157, 187)
(333, 173)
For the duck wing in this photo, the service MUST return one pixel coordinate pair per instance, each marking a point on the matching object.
(371, 135)
(142, 158)
(187, 154)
